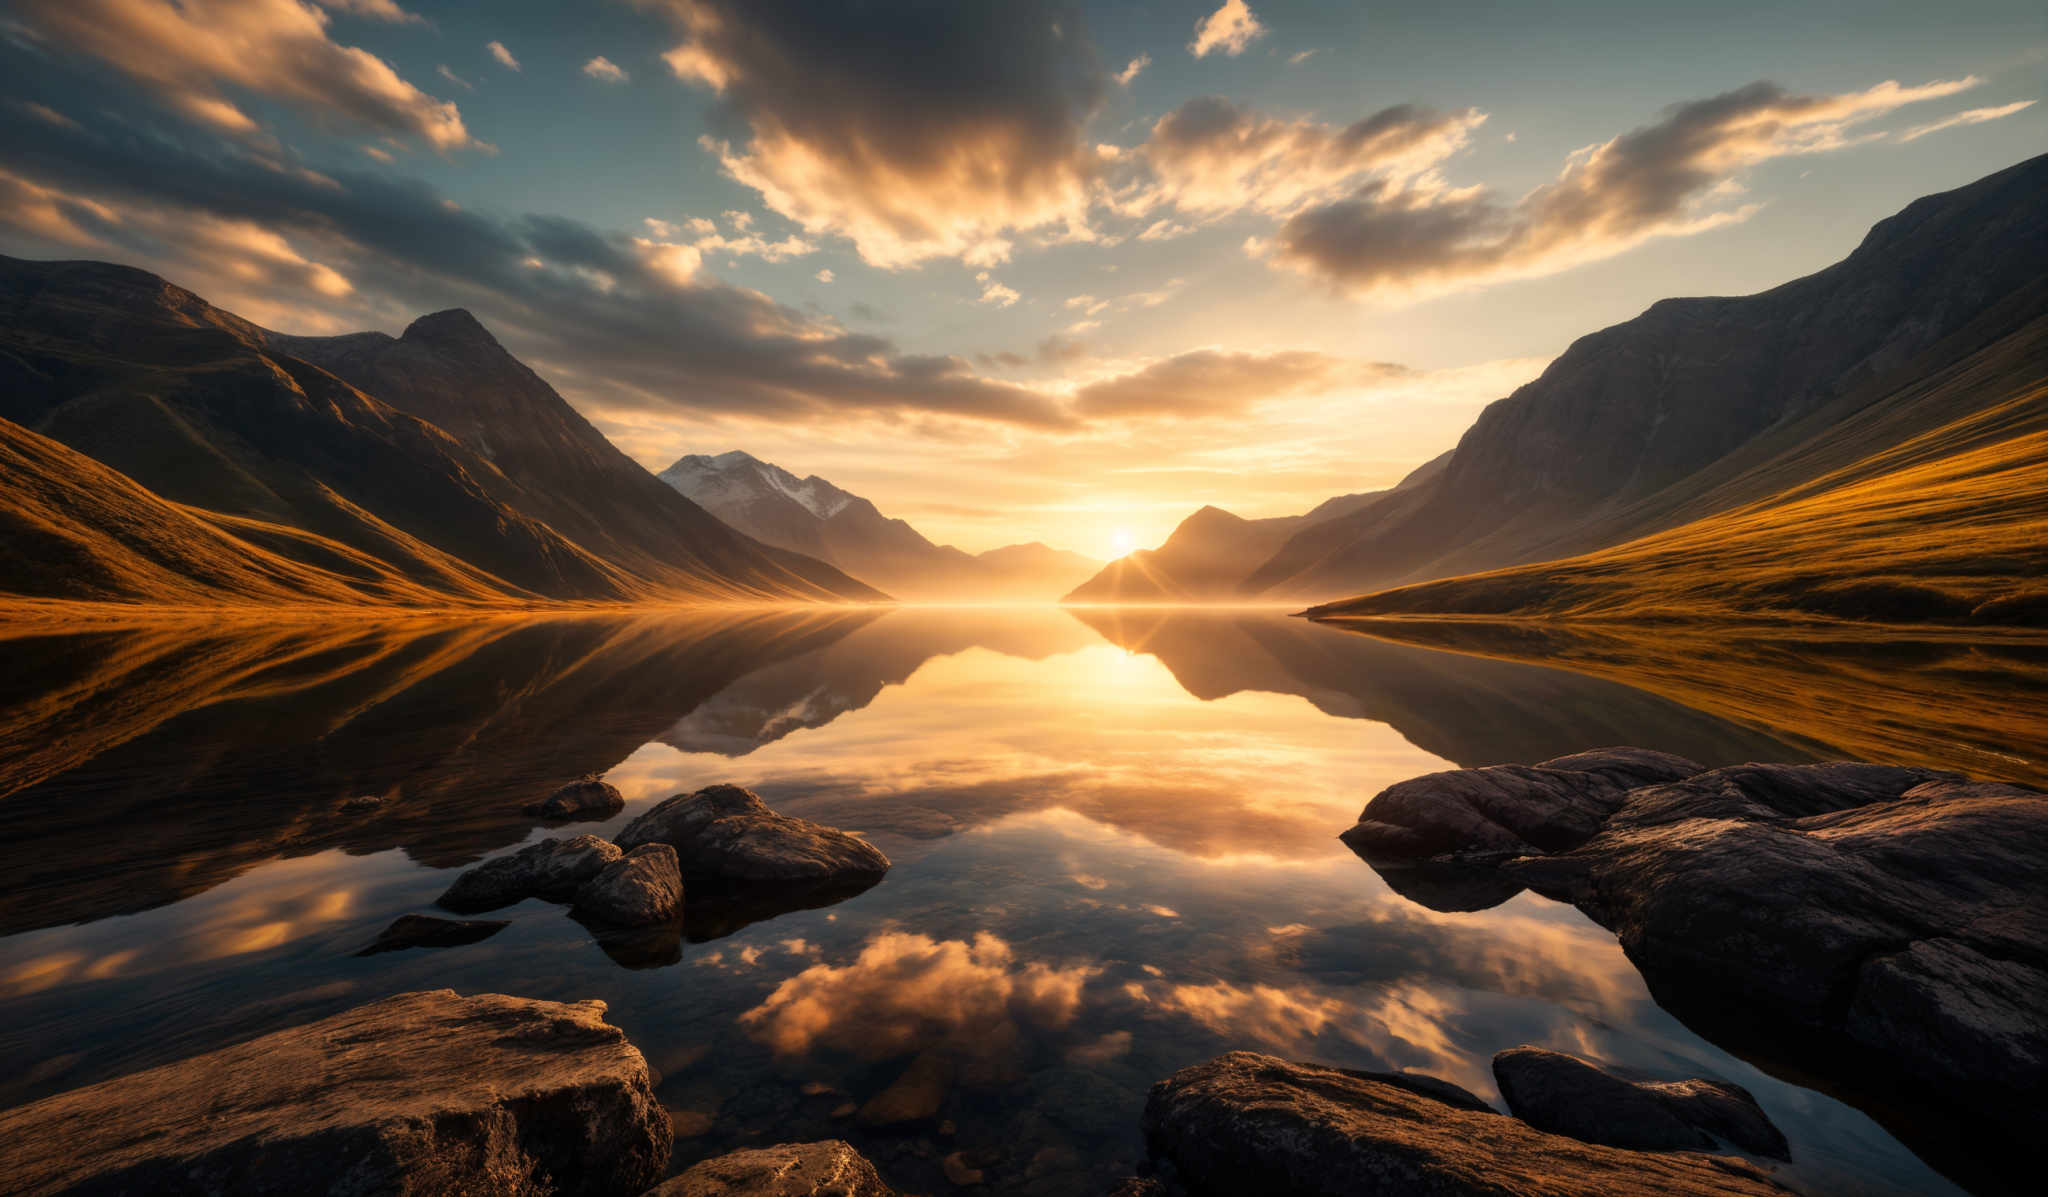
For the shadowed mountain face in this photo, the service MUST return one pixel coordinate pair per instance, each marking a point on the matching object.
(1699, 406)
(206, 411)
(451, 728)
(812, 516)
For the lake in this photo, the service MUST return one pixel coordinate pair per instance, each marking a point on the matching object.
(1114, 835)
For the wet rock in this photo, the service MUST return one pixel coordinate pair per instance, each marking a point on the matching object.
(1566, 1095)
(831, 1168)
(657, 945)
(638, 889)
(1249, 1123)
(717, 909)
(1871, 930)
(361, 804)
(915, 1097)
(550, 868)
(727, 833)
(958, 1171)
(588, 797)
(416, 1094)
(1511, 809)
(425, 931)
(1138, 1186)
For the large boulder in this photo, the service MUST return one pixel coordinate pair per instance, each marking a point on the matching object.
(831, 1168)
(549, 868)
(1566, 1095)
(588, 797)
(1507, 809)
(1872, 930)
(423, 1093)
(640, 888)
(1250, 1123)
(727, 833)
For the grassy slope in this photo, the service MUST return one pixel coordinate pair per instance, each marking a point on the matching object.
(1944, 519)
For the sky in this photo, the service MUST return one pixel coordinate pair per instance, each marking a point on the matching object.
(1014, 271)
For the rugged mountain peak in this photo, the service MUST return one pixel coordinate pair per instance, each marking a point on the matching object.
(454, 328)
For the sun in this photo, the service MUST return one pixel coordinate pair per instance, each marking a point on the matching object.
(1122, 541)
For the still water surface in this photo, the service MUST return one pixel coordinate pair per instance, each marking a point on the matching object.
(1113, 836)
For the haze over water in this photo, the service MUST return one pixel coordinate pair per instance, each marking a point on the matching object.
(1114, 836)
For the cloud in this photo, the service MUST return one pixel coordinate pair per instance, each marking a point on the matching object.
(188, 54)
(1671, 178)
(916, 131)
(1229, 29)
(443, 71)
(375, 10)
(1130, 72)
(710, 241)
(504, 56)
(1212, 156)
(1975, 116)
(1209, 382)
(631, 323)
(605, 69)
(824, 276)
(995, 292)
(1299, 57)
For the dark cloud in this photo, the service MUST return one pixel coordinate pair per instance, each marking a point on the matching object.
(917, 128)
(1670, 178)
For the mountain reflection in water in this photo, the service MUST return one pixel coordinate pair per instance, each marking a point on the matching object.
(1114, 836)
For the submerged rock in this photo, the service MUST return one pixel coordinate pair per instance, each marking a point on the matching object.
(1249, 1123)
(727, 833)
(1873, 930)
(551, 868)
(914, 1097)
(426, 931)
(588, 797)
(1566, 1095)
(831, 1168)
(422, 1093)
(640, 888)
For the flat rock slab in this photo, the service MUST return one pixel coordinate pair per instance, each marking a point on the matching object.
(1249, 1123)
(831, 1168)
(1565, 1095)
(423, 1093)
(727, 833)
(589, 797)
(550, 868)
(426, 931)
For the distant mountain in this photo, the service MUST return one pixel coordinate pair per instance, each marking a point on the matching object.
(366, 499)
(1207, 558)
(1701, 406)
(812, 516)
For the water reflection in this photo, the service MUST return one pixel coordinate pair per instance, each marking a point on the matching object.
(1114, 839)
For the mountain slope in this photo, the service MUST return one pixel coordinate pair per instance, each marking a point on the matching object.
(1034, 570)
(1207, 556)
(208, 412)
(1942, 517)
(1633, 430)
(812, 516)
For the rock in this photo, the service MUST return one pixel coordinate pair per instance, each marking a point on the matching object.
(588, 797)
(831, 1168)
(422, 1093)
(718, 909)
(1871, 930)
(425, 931)
(1566, 1095)
(361, 804)
(640, 888)
(1513, 809)
(958, 1171)
(550, 868)
(1250, 1123)
(915, 1097)
(1138, 1186)
(727, 833)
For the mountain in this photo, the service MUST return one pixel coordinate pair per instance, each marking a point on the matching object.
(1700, 406)
(812, 516)
(1929, 506)
(1206, 558)
(364, 498)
